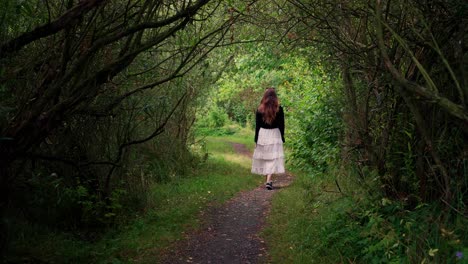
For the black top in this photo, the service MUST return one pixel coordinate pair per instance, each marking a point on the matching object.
(277, 123)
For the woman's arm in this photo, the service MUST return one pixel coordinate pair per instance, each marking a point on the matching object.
(281, 122)
(258, 118)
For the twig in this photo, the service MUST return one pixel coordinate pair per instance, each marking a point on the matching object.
(453, 208)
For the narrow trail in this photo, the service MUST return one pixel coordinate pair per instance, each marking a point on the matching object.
(230, 232)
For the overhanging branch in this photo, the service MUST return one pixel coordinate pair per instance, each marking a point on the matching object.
(444, 103)
(48, 29)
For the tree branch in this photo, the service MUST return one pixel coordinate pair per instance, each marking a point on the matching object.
(48, 29)
(444, 103)
(156, 132)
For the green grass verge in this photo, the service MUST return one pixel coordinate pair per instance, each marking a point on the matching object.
(311, 223)
(175, 209)
(295, 226)
(243, 135)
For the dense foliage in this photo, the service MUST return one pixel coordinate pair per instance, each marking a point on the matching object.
(307, 92)
(98, 101)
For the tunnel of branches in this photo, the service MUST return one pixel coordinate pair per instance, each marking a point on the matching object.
(89, 88)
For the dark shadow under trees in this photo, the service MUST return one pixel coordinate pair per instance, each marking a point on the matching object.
(83, 83)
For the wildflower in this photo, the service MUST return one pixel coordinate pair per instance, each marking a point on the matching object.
(459, 255)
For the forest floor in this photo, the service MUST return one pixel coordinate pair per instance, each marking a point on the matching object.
(230, 232)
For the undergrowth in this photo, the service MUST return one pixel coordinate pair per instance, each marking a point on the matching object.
(311, 222)
(173, 208)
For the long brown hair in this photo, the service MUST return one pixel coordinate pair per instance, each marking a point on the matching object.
(269, 105)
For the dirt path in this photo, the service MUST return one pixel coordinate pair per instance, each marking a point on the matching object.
(230, 234)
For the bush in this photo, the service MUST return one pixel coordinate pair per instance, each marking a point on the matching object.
(217, 117)
(311, 225)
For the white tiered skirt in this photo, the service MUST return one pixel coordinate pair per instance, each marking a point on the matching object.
(268, 157)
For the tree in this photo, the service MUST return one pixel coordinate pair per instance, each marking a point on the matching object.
(392, 61)
(76, 69)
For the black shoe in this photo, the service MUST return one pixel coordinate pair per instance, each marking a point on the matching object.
(269, 185)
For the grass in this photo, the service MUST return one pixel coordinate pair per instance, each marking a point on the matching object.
(295, 229)
(243, 135)
(311, 223)
(175, 209)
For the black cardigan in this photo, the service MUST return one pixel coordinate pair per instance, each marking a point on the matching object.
(277, 123)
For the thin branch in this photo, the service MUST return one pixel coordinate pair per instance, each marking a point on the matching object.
(453, 208)
(176, 73)
(156, 132)
(67, 19)
(449, 106)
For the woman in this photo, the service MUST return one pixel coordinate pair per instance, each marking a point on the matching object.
(268, 157)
